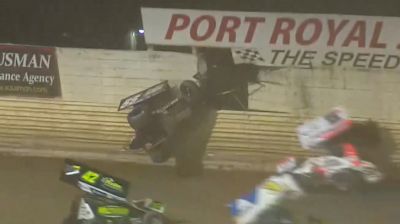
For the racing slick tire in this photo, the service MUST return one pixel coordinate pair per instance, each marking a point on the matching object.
(154, 218)
(190, 92)
(139, 118)
(160, 154)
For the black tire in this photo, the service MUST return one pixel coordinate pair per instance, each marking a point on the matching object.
(139, 118)
(154, 218)
(168, 123)
(160, 154)
(190, 92)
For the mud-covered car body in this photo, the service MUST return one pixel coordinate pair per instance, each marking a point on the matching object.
(156, 112)
(105, 201)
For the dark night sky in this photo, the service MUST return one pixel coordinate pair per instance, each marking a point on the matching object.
(105, 23)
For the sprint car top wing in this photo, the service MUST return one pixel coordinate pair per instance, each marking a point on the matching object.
(144, 95)
(324, 128)
(94, 181)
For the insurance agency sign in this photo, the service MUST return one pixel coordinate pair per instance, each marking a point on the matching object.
(29, 71)
(282, 39)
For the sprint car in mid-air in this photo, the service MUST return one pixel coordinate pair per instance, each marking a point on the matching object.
(156, 112)
(105, 200)
(319, 131)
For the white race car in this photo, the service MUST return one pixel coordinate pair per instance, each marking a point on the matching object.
(294, 179)
(264, 198)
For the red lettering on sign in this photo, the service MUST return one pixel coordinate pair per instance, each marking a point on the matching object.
(226, 28)
(334, 31)
(194, 30)
(357, 34)
(316, 23)
(282, 30)
(375, 36)
(174, 26)
(253, 22)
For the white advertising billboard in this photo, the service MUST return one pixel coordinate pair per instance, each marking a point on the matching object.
(281, 39)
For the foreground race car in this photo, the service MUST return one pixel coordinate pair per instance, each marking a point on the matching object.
(105, 201)
(156, 112)
(295, 179)
(345, 171)
(266, 199)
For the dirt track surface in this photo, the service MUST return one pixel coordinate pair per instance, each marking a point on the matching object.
(30, 193)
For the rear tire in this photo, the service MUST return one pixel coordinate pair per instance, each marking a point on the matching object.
(160, 154)
(139, 118)
(190, 92)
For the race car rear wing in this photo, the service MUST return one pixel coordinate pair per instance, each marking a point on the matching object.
(313, 133)
(144, 95)
(94, 181)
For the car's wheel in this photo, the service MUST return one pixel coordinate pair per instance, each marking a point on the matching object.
(160, 154)
(190, 92)
(139, 118)
(153, 218)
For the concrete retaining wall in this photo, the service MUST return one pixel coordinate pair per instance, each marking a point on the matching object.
(364, 93)
(93, 82)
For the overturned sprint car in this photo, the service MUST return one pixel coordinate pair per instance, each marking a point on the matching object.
(160, 116)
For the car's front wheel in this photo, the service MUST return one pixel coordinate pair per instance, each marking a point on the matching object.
(190, 92)
(160, 154)
(139, 118)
